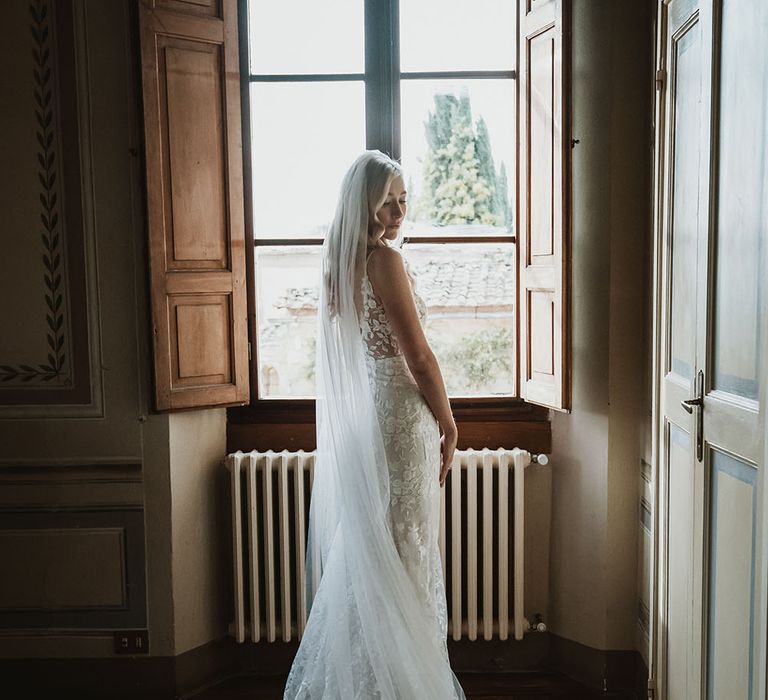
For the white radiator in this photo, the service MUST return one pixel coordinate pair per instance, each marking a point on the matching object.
(481, 542)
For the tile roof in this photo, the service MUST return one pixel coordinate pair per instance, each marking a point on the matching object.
(461, 280)
(466, 281)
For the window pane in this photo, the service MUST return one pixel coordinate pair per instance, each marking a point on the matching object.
(457, 35)
(469, 291)
(302, 36)
(304, 137)
(458, 152)
(287, 292)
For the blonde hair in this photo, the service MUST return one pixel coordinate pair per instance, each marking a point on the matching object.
(379, 178)
(356, 224)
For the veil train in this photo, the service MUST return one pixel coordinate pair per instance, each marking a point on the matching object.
(367, 635)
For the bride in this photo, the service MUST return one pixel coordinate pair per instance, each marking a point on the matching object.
(377, 626)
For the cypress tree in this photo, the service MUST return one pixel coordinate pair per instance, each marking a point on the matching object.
(503, 197)
(487, 168)
(459, 184)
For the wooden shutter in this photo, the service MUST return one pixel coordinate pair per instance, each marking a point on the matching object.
(542, 218)
(192, 134)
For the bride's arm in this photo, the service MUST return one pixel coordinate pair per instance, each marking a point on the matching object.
(387, 273)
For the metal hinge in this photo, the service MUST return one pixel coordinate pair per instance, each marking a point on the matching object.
(249, 349)
(651, 688)
(661, 76)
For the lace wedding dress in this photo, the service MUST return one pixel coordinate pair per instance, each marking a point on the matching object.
(377, 629)
(412, 444)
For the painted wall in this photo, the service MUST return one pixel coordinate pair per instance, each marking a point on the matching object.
(103, 505)
(597, 447)
(201, 563)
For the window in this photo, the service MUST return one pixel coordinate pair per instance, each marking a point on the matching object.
(234, 250)
(435, 89)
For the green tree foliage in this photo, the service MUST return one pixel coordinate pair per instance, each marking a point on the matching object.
(485, 162)
(505, 208)
(477, 361)
(460, 183)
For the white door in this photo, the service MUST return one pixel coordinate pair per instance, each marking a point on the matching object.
(732, 359)
(684, 211)
(710, 430)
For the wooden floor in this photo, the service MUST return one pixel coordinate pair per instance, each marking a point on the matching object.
(512, 686)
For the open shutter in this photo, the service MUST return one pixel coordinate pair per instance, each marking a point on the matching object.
(192, 135)
(542, 220)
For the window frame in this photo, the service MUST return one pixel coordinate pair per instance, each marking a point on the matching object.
(382, 110)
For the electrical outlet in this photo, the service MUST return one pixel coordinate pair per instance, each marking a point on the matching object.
(132, 642)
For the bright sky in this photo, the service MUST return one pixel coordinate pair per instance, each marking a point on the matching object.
(305, 135)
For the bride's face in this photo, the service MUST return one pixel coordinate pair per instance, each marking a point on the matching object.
(393, 210)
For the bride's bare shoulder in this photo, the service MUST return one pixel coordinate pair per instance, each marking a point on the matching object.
(385, 260)
(384, 252)
(386, 270)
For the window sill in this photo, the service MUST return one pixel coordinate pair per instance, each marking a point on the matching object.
(492, 423)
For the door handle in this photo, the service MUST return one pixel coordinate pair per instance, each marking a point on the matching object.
(688, 404)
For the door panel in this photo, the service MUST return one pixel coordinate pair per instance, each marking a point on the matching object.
(680, 477)
(733, 502)
(743, 112)
(685, 199)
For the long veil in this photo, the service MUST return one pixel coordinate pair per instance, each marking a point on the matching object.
(367, 635)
